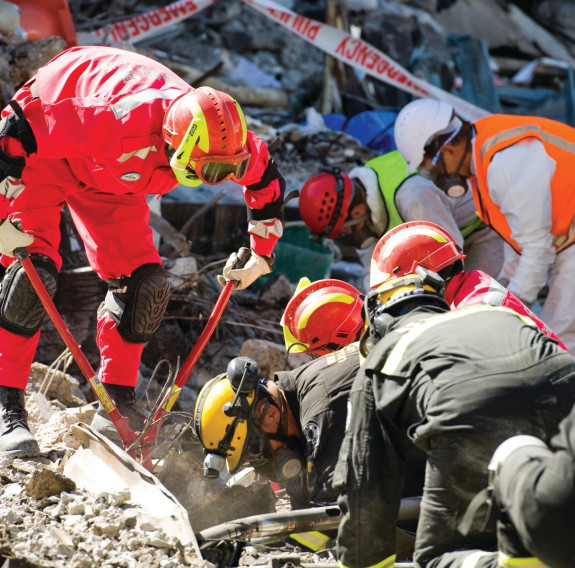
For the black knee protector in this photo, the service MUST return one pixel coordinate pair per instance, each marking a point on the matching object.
(21, 310)
(137, 303)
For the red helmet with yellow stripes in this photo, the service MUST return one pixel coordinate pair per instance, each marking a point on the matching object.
(409, 245)
(206, 134)
(323, 316)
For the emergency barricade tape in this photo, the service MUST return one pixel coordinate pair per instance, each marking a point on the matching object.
(361, 55)
(145, 25)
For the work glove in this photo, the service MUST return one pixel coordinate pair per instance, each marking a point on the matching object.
(12, 236)
(244, 268)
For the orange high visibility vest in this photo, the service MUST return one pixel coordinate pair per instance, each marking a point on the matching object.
(499, 131)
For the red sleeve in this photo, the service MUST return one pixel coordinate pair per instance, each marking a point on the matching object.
(477, 287)
(259, 160)
(263, 197)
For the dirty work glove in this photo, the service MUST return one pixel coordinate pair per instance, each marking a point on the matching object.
(12, 236)
(244, 268)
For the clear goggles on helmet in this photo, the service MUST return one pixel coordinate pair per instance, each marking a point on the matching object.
(207, 169)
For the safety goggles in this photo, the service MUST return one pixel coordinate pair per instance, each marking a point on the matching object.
(215, 169)
(207, 169)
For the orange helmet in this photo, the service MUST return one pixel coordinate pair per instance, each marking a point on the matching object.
(206, 131)
(322, 316)
(409, 245)
(324, 202)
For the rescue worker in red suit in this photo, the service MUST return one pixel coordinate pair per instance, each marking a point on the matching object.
(421, 243)
(520, 169)
(455, 383)
(97, 129)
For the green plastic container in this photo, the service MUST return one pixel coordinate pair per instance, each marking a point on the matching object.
(297, 256)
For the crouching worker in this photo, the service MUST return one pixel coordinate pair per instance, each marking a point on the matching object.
(97, 129)
(289, 428)
(420, 243)
(456, 384)
(534, 487)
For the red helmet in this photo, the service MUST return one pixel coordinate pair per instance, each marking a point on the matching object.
(324, 202)
(323, 316)
(409, 245)
(206, 130)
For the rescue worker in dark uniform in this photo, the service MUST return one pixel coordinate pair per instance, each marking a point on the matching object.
(534, 487)
(298, 417)
(456, 384)
(316, 395)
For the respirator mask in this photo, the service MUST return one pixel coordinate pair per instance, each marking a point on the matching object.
(454, 184)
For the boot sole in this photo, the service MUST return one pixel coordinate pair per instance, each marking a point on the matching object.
(31, 451)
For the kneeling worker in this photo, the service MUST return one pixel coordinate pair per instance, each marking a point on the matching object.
(290, 428)
(455, 384)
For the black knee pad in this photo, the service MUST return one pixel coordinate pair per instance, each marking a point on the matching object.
(21, 310)
(138, 303)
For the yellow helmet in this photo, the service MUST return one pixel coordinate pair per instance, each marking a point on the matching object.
(222, 414)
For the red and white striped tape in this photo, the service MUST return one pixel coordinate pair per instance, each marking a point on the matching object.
(361, 55)
(337, 43)
(145, 25)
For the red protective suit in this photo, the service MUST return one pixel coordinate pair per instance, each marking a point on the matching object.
(476, 287)
(96, 114)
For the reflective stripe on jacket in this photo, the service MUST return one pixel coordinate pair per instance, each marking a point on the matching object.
(497, 132)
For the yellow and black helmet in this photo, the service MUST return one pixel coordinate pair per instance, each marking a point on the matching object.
(223, 411)
(401, 294)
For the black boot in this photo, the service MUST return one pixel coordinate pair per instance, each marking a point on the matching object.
(15, 437)
(125, 400)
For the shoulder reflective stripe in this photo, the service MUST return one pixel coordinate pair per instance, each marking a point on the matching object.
(11, 187)
(398, 351)
(129, 103)
(509, 562)
(33, 89)
(513, 132)
(495, 295)
(142, 153)
(313, 540)
(471, 560)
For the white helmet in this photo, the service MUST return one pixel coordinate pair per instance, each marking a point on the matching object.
(418, 123)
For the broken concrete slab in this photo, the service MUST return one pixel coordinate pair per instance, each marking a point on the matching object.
(101, 466)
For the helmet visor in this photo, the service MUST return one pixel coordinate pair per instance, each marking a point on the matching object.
(215, 169)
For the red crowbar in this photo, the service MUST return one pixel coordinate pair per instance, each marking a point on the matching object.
(185, 371)
(120, 422)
